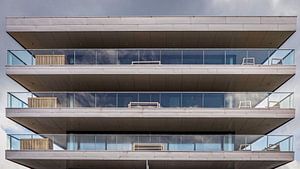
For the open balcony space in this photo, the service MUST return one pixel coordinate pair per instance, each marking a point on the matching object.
(237, 112)
(156, 151)
(151, 69)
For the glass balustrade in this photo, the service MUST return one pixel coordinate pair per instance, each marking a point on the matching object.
(151, 56)
(231, 100)
(153, 142)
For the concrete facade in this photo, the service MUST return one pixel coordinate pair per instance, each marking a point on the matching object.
(135, 32)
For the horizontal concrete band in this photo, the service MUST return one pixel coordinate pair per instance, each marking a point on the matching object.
(152, 23)
(151, 113)
(152, 69)
(184, 156)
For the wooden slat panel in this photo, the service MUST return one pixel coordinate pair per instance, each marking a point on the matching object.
(50, 59)
(36, 144)
(42, 102)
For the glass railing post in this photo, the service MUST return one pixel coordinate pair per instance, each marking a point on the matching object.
(118, 57)
(269, 57)
(9, 105)
(96, 59)
(267, 141)
(181, 56)
(74, 103)
(9, 62)
(74, 57)
(95, 101)
(203, 58)
(225, 55)
(95, 142)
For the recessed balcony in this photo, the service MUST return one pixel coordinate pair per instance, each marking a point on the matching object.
(151, 69)
(241, 113)
(70, 150)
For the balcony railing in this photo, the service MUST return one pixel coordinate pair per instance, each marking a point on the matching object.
(151, 56)
(188, 143)
(231, 100)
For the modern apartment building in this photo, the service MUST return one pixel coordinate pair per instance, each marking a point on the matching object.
(151, 92)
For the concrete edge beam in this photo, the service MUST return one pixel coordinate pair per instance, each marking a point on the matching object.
(184, 156)
(150, 113)
(152, 23)
(148, 69)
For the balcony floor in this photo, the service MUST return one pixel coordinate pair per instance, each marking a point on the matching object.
(152, 77)
(238, 121)
(157, 160)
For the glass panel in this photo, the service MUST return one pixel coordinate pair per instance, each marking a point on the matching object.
(87, 142)
(149, 97)
(246, 100)
(85, 100)
(171, 57)
(192, 100)
(85, 57)
(64, 99)
(149, 55)
(210, 143)
(261, 56)
(192, 57)
(69, 56)
(125, 98)
(235, 56)
(214, 57)
(213, 100)
(119, 143)
(170, 100)
(127, 56)
(107, 57)
(106, 99)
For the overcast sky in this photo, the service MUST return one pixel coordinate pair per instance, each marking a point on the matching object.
(141, 8)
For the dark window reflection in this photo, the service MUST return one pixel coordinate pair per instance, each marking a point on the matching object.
(192, 57)
(84, 99)
(107, 57)
(106, 100)
(85, 57)
(235, 56)
(171, 57)
(125, 98)
(214, 57)
(64, 99)
(127, 56)
(261, 56)
(148, 97)
(213, 100)
(192, 100)
(170, 100)
(149, 55)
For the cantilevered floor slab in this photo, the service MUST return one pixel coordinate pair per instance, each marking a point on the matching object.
(156, 160)
(152, 31)
(152, 77)
(238, 121)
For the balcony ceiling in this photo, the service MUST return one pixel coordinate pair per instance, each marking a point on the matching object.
(151, 32)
